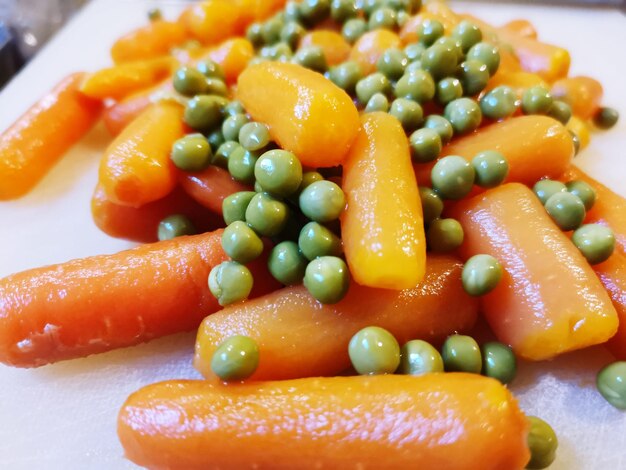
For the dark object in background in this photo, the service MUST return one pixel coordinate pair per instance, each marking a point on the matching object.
(10, 62)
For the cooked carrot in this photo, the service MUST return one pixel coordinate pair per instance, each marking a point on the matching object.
(213, 21)
(306, 113)
(233, 56)
(549, 300)
(432, 10)
(520, 81)
(336, 48)
(522, 28)
(258, 10)
(150, 41)
(369, 47)
(534, 146)
(210, 187)
(581, 129)
(299, 337)
(508, 61)
(119, 115)
(140, 224)
(122, 80)
(382, 226)
(453, 421)
(583, 94)
(136, 168)
(40, 137)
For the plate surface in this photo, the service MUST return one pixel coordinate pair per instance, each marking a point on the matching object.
(63, 416)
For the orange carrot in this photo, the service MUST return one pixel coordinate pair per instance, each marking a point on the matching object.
(523, 28)
(581, 129)
(336, 49)
(583, 94)
(369, 47)
(382, 226)
(258, 10)
(453, 421)
(141, 224)
(233, 56)
(306, 113)
(518, 80)
(299, 337)
(40, 137)
(119, 115)
(150, 41)
(136, 168)
(549, 300)
(210, 187)
(612, 273)
(213, 21)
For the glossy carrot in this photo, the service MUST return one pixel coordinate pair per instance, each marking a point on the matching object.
(522, 28)
(122, 80)
(518, 80)
(382, 227)
(369, 47)
(534, 146)
(136, 168)
(306, 113)
(119, 115)
(140, 224)
(40, 137)
(213, 21)
(452, 421)
(432, 10)
(581, 129)
(233, 56)
(150, 41)
(549, 300)
(583, 94)
(612, 273)
(258, 10)
(299, 337)
(210, 187)
(336, 49)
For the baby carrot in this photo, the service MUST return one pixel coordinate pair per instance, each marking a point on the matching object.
(522, 28)
(136, 168)
(549, 300)
(96, 304)
(40, 137)
(583, 94)
(612, 273)
(213, 21)
(382, 226)
(233, 56)
(150, 41)
(369, 47)
(336, 49)
(119, 115)
(299, 337)
(453, 421)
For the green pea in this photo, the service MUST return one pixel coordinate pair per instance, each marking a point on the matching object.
(223, 153)
(452, 44)
(441, 126)
(254, 34)
(383, 18)
(576, 142)
(278, 172)
(452, 177)
(461, 353)
(308, 178)
(155, 14)
(408, 112)
(414, 51)
(499, 103)
(234, 206)
(481, 274)
(464, 115)
(315, 240)
(611, 383)
(230, 282)
(418, 357)
(215, 86)
(372, 84)
(241, 243)
(368, 6)
(211, 69)
(432, 205)
(292, 11)
(445, 235)
(353, 29)
(254, 136)
(417, 86)
(327, 279)
(343, 10)
(542, 442)
(237, 358)
(314, 11)
(275, 53)
(491, 168)
(266, 215)
(373, 350)
(392, 63)
(439, 60)
(474, 76)
(468, 34)
(596, 242)
(189, 81)
(429, 31)
(271, 30)
(241, 163)
(232, 108)
(191, 153)
(378, 102)
(291, 34)
(560, 111)
(449, 89)
(311, 57)
(545, 189)
(204, 112)
(232, 125)
(413, 67)
(175, 226)
(425, 145)
(487, 54)
(287, 264)
(346, 75)
(536, 100)
(322, 201)
(606, 118)
(584, 191)
(566, 210)
(499, 362)
(215, 139)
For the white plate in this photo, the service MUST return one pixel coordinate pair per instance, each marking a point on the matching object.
(63, 416)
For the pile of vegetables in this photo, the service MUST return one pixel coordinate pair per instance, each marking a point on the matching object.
(331, 191)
